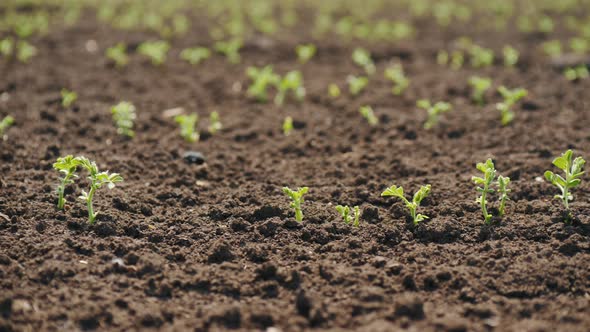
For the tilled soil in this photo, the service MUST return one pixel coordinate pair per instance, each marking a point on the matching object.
(214, 246)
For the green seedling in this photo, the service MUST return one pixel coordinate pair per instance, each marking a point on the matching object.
(333, 91)
(511, 97)
(480, 86)
(287, 126)
(296, 200)
(25, 51)
(214, 123)
(5, 124)
(68, 97)
(344, 211)
(511, 56)
(6, 47)
(356, 84)
(261, 80)
(455, 59)
(118, 54)
(412, 206)
(362, 58)
(292, 81)
(396, 74)
(156, 51)
(231, 49)
(305, 52)
(434, 111)
(124, 116)
(576, 73)
(67, 165)
(195, 55)
(485, 184)
(188, 124)
(368, 113)
(573, 169)
(552, 48)
(97, 180)
(481, 57)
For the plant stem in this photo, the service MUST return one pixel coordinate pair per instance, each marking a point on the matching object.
(484, 209)
(298, 214)
(91, 215)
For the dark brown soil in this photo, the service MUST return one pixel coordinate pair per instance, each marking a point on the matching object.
(181, 246)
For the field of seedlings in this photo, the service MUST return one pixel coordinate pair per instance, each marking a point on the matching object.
(291, 165)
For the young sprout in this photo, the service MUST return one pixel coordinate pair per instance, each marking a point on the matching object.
(511, 56)
(362, 58)
(293, 81)
(333, 90)
(261, 80)
(511, 97)
(442, 57)
(287, 126)
(156, 51)
(398, 192)
(457, 60)
(5, 124)
(118, 54)
(25, 51)
(485, 184)
(552, 48)
(434, 111)
(480, 86)
(195, 55)
(348, 218)
(305, 52)
(481, 57)
(68, 97)
(124, 116)
(356, 84)
(297, 200)
(396, 74)
(68, 166)
(231, 49)
(573, 169)
(97, 180)
(188, 124)
(214, 123)
(576, 73)
(6, 46)
(369, 115)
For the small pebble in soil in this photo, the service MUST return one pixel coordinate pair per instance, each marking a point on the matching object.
(193, 157)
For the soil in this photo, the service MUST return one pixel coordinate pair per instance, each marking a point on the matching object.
(214, 246)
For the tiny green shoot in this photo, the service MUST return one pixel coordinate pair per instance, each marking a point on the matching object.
(287, 126)
(25, 51)
(5, 124)
(214, 123)
(188, 124)
(511, 97)
(6, 47)
(230, 48)
(362, 58)
(356, 84)
(412, 206)
(481, 57)
(261, 78)
(292, 81)
(195, 55)
(68, 97)
(344, 211)
(305, 52)
(296, 200)
(434, 111)
(368, 113)
(118, 54)
(156, 51)
(573, 169)
(576, 73)
(396, 74)
(97, 180)
(511, 56)
(333, 90)
(68, 166)
(480, 86)
(124, 116)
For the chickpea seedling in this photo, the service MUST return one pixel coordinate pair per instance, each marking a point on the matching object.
(156, 51)
(368, 113)
(296, 200)
(118, 54)
(97, 180)
(231, 50)
(124, 117)
(67, 165)
(480, 85)
(434, 111)
(413, 205)
(6, 123)
(214, 123)
(396, 74)
(576, 73)
(188, 124)
(305, 52)
(511, 97)
(261, 78)
(292, 81)
(287, 126)
(485, 184)
(573, 171)
(344, 211)
(68, 97)
(195, 55)
(356, 84)
(362, 58)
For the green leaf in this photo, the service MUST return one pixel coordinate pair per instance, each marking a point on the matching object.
(393, 191)
(421, 194)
